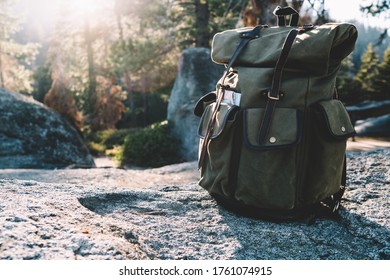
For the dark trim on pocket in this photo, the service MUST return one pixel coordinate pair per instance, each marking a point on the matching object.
(202, 103)
(229, 116)
(346, 122)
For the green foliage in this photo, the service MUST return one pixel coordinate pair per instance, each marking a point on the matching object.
(376, 8)
(372, 79)
(42, 83)
(148, 147)
(368, 70)
(101, 142)
(134, 47)
(153, 146)
(148, 56)
(187, 16)
(367, 35)
(381, 85)
(348, 89)
(157, 104)
(144, 40)
(143, 58)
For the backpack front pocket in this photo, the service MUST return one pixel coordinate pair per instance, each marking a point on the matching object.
(267, 174)
(285, 128)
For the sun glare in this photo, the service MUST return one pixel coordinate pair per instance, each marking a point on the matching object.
(84, 7)
(66, 8)
(79, 10)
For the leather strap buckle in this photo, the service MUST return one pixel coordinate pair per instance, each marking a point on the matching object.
(276, 98)
(253, 34)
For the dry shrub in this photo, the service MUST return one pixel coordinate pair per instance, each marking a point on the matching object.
(108, 106)
(60, 99)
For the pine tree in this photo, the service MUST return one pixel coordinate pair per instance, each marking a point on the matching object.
(197, 20)
(144, 57)
(62, 62)
(347, 87)
(382, 79)
(368, 71)
(78, 55)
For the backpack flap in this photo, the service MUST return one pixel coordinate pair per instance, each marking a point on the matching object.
(285, 129)
(203, 102)
(321, 48)
(336, 119)
(225, 115)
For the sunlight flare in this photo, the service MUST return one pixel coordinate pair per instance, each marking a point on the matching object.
(84, 7)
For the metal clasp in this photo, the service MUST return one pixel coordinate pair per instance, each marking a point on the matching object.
(336, 206)
(272, 97)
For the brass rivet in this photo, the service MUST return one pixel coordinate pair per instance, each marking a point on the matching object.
(272, 140)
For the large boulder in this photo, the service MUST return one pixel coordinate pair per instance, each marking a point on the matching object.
(33, 136)
(197, 76)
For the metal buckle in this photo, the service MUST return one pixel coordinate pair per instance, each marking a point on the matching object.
(305, 27)
(336, 202)
(336, 206)
(273, 98)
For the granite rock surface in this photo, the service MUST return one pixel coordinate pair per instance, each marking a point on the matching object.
(110, 213)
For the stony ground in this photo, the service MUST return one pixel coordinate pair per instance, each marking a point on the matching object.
(111, 213)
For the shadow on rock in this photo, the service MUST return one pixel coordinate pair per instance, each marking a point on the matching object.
(350, 236)
(184, 222)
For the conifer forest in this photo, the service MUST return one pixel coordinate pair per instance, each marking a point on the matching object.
(108, 66)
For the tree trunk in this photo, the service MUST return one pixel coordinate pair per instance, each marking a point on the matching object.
(145, 103)
(126, 76)
(2, 83)
(202, 15)
(91, 90)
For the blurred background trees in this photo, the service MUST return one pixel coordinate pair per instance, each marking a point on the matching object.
(15, 57)
(109, 65)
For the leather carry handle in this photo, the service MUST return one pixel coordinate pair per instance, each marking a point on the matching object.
(281, 13)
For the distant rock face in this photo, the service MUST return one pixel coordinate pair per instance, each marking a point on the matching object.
(197, 76)
(374, 127)
(33, 136)
(371, 118)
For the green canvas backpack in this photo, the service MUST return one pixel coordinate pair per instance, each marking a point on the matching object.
(273, 134)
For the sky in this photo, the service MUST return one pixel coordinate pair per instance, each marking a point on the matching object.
(347, 10)
(343, 9)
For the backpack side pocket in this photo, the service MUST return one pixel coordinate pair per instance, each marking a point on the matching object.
(215, 169)
(330, 127)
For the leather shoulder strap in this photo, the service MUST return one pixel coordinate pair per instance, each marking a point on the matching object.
(245, 38)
